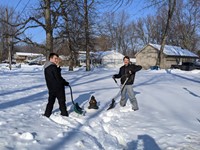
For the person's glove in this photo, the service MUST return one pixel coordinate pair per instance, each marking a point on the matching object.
(129, 74)
(114, 76)
(66, 83)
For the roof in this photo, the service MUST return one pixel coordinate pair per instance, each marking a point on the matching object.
(63, 57)
(112, 54)
(172, 51)
(28, 54)
(38, 59)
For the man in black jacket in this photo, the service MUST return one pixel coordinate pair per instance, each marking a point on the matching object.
(56, 85)
(128, 71)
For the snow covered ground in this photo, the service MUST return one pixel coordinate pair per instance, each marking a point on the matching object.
(169, 104)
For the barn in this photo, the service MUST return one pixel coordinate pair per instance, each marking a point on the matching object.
(173, 55)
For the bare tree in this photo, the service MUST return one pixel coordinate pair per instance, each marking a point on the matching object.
(3, 53)
(8, 32)
(116, 26)
(182, 29)
(102, 43)
(65, 10)
(171, 8)
(186, 24)
(44, 16)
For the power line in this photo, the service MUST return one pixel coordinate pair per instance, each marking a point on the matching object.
(25, 7)
(15, 8)
(17, 5)
(23, 10)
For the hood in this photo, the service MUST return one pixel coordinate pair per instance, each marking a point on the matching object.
(47, 64)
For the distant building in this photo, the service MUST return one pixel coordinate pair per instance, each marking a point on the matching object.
(82, 58)
(133, 60)
(22, 57)
(173, 55)
(102, 58)
(108, 59)
(111, 59)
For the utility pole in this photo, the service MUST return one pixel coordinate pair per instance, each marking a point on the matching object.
(8, 42)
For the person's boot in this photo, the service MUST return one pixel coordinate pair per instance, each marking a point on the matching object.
(66, 114)
(122, 104)
(135, 109)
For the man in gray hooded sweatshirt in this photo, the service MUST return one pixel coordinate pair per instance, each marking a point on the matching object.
(56, 85)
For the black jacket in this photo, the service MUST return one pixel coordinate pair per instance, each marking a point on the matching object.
(124, 73)
(54, 80)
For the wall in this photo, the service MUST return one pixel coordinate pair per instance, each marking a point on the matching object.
(176, 61)
(147, 57)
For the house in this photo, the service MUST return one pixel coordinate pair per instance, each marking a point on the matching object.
(133, 60)
(82, 58)
(40, 60)
(102, 58)
(22, 57)
(173, 55)
(111, 59)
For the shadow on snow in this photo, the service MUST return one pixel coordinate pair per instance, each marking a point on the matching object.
(144, 142)
(192, 93)
(24, 100)
(22, 90)
(189, 79)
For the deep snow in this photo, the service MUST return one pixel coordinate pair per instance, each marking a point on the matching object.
(169, 102)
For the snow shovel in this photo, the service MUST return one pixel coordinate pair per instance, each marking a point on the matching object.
(112, 105)
(77, 108)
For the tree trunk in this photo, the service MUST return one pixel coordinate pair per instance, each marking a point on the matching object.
(71, 61)
(10, 54)
(69, 41)
(86, 24)
(49, 31)
(8, 42)
(2, 49)
(160, 60)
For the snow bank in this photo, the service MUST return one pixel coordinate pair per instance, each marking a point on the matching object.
(195, 71)
(183, 72)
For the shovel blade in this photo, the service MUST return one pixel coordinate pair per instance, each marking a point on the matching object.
(112, 105)
(78, 109)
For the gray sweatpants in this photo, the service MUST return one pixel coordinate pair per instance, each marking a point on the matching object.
(129, 90)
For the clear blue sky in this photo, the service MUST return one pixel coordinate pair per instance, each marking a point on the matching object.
(136, 10)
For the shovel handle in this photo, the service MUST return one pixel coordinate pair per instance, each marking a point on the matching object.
(71, 93)
(115, 80)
